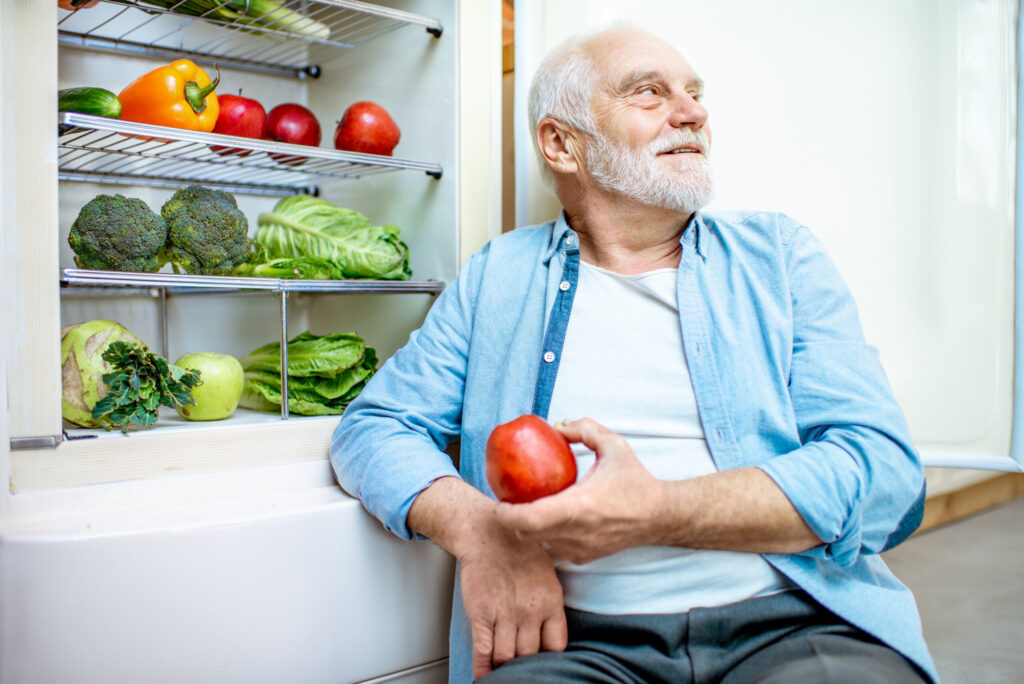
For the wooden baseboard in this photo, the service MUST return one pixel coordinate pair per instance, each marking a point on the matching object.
(951, 506)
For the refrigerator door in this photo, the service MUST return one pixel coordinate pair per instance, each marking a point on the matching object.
(891, 131)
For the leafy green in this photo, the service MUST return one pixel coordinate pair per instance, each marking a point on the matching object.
(265, 14)
(139, 383)
(325, 373)
(307, 268)
(301, 226)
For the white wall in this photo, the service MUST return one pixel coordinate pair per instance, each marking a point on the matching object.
(886, 127)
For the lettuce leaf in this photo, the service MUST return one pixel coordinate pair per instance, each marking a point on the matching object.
(325, 373)
(301, 226)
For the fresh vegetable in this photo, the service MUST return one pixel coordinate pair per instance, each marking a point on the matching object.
(259, 14)
(206, 232)
(179, 95)
(76, 5)
(307, 268)
(139, 383)
(83, 367)
(97, 101)
(216, 397)
(241, 116)
(325, 373)
(304, 226)
(292, 123)
(367, 127)
(118, 233)
(526, 459)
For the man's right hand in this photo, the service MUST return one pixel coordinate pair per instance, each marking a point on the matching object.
(512, 598)
(511, 595)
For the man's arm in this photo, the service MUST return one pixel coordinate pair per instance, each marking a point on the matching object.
(512, 597)
(388, 452)
(618, 504)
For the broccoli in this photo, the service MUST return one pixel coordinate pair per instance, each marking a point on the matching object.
(118, 233)
(206, 232)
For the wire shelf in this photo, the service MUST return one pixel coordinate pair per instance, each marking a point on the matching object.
(97, 281)
(294, 42)
(101, 150)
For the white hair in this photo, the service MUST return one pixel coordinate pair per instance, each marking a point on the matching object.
(563, 85)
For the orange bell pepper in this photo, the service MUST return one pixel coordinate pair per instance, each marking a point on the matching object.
(179, 95)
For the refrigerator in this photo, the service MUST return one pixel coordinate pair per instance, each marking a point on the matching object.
(224, 551)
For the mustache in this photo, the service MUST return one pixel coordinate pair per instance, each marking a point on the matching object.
(681, 137)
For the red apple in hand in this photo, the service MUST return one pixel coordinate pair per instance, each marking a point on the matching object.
(240, 116)
(292, 123)
(528, 459)
(366, 127)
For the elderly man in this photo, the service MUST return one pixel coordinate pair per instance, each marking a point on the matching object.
(744, 459)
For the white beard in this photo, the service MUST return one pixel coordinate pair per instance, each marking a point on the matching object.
(637, 174)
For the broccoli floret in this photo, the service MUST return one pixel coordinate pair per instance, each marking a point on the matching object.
(206, 232)
(118, 233)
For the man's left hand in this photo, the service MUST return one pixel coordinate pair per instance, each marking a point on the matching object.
(617, 504)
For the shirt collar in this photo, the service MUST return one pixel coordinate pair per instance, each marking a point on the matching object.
(563, 237)
(560, 234)
(692, 234)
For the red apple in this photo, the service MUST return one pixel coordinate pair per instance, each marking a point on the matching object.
(292, 123)
(528, 459)
(366, 127)
(239, 116)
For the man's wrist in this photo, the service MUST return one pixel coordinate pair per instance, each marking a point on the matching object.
(452, 514)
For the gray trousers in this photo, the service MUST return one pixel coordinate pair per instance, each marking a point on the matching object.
(785, 638)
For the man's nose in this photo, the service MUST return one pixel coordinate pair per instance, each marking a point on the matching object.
(688, 111)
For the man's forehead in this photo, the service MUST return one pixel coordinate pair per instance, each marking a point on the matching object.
(630, 56)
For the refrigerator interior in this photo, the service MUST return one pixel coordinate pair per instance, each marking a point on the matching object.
(407, 65)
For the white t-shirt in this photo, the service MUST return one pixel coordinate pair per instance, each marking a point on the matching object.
(623, 365)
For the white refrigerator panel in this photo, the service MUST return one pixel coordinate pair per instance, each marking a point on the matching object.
(301, 587)
(887, 128)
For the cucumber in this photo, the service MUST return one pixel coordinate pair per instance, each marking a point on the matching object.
(89, 101)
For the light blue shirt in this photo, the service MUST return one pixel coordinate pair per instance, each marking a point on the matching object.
(781, 373)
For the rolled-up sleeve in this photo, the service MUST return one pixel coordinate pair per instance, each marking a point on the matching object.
(389, 444)
(856, 479)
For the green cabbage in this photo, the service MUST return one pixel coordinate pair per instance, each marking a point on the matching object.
(302, 226)
(325, 373)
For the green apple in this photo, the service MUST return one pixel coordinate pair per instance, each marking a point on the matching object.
(221, 381)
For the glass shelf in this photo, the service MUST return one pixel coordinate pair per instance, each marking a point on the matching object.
(294, 43)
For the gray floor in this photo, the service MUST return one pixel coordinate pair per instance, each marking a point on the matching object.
(968, 578)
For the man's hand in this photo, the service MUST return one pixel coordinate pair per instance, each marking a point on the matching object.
(512, 598)
(510, 592)
(618, 504)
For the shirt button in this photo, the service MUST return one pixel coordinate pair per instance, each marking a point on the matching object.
(564, 285)
(549, 356)
(571, 240)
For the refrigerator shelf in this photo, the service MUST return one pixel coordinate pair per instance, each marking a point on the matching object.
(120, 282)
(102, 150)
(293, 44)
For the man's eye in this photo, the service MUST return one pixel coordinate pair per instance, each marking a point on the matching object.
(648, 89)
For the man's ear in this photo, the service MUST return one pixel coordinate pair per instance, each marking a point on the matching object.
(560, 146)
